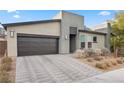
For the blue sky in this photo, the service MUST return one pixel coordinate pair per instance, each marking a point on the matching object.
(91, 17)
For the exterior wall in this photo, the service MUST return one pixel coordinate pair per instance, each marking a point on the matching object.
(69, 20)
(102, 30)
(58, 16)
(106, 28)
(2, 39)
(89, 38)
(52, 28)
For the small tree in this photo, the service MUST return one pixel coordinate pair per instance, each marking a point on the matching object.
(117, 40)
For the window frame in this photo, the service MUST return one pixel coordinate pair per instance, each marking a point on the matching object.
(95, 41)
(83, 45)
(89, 44)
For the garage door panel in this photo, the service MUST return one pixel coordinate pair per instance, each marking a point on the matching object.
(36, 45)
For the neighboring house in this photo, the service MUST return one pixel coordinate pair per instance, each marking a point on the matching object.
(2, 33)
(3, 42)
(104, 28)
(63, 34)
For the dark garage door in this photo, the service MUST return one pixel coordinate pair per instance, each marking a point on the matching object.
(36, 45)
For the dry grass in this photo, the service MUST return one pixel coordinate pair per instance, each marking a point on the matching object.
(108, 64)
(6, 60)
(5, 67)
(104, 63)
(7, 70)
(6, 64)
(101, 65)
(98, 58)
(90, 60)
(4, 77)
(119, 61)
(114, 63)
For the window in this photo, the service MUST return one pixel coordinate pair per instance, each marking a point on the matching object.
(89, 44)
(73, 30)
(82, 38)
(82, 45)
(94, 39)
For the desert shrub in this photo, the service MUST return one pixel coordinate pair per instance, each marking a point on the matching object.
(122, 59)
(6, 67)
(108, 64)
(4, 77)
(90, 52)
(6, 64)
(84, 54)
(98, 58)
(114, 63)
(90, 60)
(101, 65)
(121, 52)
(105, 52)
(98, 52)
(119, 61)
(6, 60)
(78, 53)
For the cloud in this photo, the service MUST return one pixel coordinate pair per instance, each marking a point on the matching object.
(104, 13)
(16, 16)
(12, 11)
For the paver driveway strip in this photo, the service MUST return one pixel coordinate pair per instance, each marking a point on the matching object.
(52, 68)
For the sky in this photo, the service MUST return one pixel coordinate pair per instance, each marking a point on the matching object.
(91, 17)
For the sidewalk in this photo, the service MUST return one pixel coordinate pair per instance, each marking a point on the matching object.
(116, 76)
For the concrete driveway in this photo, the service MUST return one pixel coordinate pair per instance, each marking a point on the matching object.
(52, 68)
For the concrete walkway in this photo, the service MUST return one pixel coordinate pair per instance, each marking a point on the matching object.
(52, 68)
(116, 76)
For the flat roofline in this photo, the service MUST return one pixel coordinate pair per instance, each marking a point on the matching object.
(92, 32)
(72, 13)
(31, 22)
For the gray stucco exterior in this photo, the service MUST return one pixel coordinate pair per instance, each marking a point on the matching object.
(69, 20)
(105, 28)
(107, 41)
(64, 25)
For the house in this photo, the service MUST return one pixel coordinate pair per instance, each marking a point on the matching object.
(63, 34)
(104, 28)
(2, 33)
(3, 42)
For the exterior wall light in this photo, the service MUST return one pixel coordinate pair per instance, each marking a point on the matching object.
(66, 37)
(12, 34)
